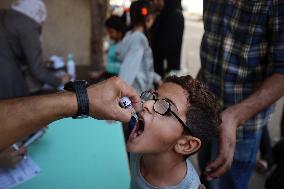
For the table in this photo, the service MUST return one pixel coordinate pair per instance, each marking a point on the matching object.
(80, 154)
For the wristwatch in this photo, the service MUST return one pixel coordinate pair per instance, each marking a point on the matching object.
(80, 88)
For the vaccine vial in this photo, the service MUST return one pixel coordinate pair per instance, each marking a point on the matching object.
(125, 102)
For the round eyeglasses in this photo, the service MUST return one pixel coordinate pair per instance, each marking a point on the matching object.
(163, 107)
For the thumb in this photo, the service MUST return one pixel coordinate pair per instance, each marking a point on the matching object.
(124, 115)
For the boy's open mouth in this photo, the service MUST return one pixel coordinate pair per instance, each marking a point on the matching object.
(138, 129)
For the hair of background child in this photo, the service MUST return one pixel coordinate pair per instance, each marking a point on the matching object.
(203, 112)
(139, 11)
(117, 23)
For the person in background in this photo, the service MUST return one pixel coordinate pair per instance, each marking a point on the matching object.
(22, 68)
(167, 35)
(134, 51)
(116, 29)
(242, 62)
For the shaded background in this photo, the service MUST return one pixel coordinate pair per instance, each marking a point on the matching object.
(67, 29)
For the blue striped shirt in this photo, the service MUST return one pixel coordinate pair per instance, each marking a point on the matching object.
(243, 44)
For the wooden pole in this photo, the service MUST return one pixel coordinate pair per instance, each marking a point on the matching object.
(98, 13)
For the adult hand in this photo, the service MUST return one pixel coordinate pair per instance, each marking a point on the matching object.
(227, 142)
(10, 157)
(104, 99)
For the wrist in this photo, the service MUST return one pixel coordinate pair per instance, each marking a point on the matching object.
(79, 87)
(68, 104)
(235, 115)
(93, 100)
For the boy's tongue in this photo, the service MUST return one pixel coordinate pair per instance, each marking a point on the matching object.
(138, 128)
(132, 122)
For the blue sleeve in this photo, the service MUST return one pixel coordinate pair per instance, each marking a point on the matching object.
(132, 62)
(277, 31)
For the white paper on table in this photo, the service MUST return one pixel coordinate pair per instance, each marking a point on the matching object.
(24, 171)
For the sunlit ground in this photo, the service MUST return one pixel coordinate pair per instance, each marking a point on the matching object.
(193, 6)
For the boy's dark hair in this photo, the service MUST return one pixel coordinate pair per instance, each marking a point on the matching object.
(203, 112)
(116, 23)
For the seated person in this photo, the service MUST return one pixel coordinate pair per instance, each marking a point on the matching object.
(116, 29)
(175, 121)
(11, 157)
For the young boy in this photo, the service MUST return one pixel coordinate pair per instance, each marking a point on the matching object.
(176, 120)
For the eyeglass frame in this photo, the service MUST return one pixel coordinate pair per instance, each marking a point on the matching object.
(167, 111)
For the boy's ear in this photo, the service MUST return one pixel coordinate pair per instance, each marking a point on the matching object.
(187, 145)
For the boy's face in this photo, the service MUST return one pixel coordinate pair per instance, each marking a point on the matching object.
(157, 133)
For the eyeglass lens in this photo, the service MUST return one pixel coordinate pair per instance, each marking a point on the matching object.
(161, 106)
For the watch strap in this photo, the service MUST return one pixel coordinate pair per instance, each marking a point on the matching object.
(80, 89)
(82, 99)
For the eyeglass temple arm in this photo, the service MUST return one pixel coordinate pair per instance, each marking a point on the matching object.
(185, 126)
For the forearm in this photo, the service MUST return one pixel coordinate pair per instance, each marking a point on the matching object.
(22, 116)
(269, 92)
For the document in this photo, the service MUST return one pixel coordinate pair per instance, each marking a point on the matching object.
(24, 171)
